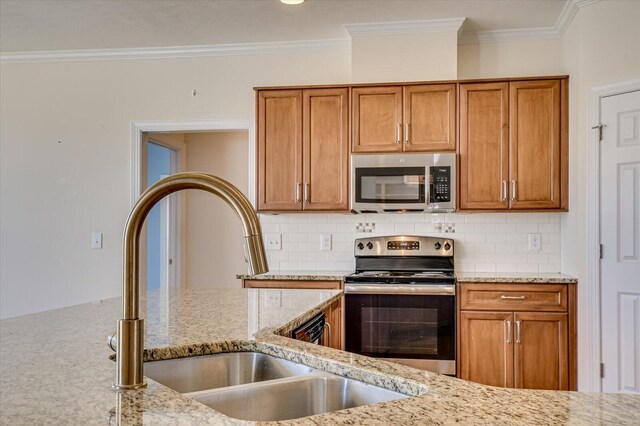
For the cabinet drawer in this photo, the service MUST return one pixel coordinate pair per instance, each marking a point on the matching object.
(514, 297)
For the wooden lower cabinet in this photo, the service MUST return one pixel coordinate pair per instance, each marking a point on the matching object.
(514, 347)
(333, 332)
(486, 353)
(333, 314)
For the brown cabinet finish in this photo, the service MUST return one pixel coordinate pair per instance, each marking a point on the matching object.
(535, 349)
(377, 119)
(486, 349)
(429, 117)
(334, 327)
(279, 150)
(514, 297)
(534, 149)
(325, 149)
(302, 284)
(484, 146)
(541, 354)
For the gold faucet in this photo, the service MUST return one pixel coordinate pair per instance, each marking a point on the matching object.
(130, 331)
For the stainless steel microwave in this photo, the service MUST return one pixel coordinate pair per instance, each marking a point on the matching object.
(403, 183)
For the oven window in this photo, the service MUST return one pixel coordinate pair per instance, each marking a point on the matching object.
(390, 184)
(401, 326)
(410, 331)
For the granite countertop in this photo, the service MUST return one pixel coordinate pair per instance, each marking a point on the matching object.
(55, 368)
(477, 277)
(298, 275)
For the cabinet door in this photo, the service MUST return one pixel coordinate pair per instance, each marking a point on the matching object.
(280, 150)
(534, 150)
(486, 347)
(325, 139)
(484, 146)
(377, 119)
(541, 351)
(429, 118)
(333, 330)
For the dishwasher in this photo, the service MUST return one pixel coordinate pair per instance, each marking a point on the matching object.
(311, 331)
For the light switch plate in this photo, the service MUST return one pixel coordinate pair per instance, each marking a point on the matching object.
(274, 241)
(534, 242)
(325, 242)
(96, 240)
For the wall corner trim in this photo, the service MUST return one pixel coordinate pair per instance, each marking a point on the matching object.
(172, 52)
(404, 27)
(540, 33)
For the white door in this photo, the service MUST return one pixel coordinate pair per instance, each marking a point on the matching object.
(620, 237)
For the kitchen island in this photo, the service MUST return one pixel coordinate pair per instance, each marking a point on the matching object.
(55, 368)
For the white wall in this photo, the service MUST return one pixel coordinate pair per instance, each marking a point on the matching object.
(405, 57)
(214, 253)
(599, 48)
(54, 194)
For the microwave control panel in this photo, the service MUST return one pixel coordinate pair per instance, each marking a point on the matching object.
(440, 181)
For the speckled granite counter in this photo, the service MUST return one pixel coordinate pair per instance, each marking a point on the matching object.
(476, 277)
(55, 369)
(298, 275)
(515, 277)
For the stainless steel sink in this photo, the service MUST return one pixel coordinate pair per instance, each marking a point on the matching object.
(259, 387)
(293, 398)
(221, 370)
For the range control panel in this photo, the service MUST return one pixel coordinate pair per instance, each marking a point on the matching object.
(440, 181)
(403, 245)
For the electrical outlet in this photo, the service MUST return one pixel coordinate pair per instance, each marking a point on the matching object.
(96, 240)
(272, 299)
(274, 241)
(534, 242)
(325, 242)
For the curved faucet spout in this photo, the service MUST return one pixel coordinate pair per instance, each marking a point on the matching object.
(130, 333)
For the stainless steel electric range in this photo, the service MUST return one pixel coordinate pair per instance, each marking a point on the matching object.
(400, 303)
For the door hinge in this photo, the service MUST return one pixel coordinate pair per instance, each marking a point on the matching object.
(602, 370)
(601, 249)
(599, 126)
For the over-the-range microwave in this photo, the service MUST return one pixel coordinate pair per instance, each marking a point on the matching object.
(403, 182)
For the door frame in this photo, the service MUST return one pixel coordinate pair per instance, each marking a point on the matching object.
(138, 128)
(593, 302)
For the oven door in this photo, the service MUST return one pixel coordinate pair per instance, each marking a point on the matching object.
(410, 324)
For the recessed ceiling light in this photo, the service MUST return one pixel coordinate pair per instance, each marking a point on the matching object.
(292, 1)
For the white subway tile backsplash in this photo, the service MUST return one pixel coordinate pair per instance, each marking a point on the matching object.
(485, 242)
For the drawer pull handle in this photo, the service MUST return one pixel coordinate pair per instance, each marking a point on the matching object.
(503, 297)
(518, 340)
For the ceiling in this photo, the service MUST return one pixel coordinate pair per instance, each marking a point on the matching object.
(45, 25)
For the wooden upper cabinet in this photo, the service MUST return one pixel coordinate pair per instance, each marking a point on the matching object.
(429, 117)
(377, 119)
(280, 150)
(534, 151)
(484, 146)
(486, 349)
(541, 357)
(325, 150)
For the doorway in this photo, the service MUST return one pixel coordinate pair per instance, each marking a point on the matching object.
(208, 237)
(619, 187)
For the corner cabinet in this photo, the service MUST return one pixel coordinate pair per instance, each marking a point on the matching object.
(518, 335)
(303, 150)
(415, 118)
(513, 145)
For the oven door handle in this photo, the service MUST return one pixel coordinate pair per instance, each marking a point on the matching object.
(402, 289)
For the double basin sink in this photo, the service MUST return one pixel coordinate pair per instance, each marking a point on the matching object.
(259, 387)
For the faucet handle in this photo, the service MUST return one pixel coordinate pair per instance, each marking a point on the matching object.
(112, 341)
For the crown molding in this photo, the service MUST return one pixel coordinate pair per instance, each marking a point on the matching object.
(540, 33)
(175, 51)
(404, 27)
